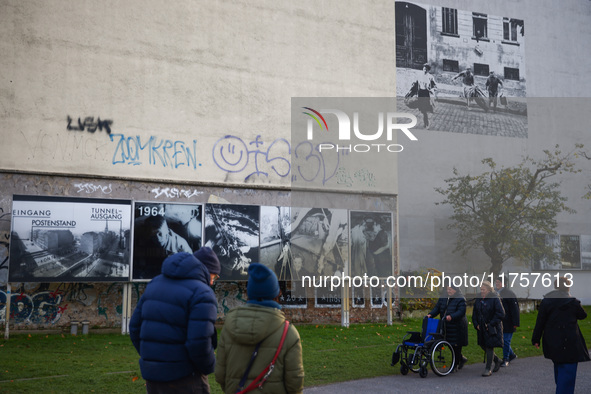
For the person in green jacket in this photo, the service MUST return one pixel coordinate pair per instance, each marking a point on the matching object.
(259, 321)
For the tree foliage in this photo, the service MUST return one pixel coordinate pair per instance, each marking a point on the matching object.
(500, 209)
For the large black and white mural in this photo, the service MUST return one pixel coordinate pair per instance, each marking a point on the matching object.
(161, 230)
(461, 71)
(232, 231)
(60, 239)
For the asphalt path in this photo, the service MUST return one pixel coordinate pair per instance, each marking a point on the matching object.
(523, 375)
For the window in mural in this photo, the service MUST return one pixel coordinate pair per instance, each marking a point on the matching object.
(481, 69)
(451, 65)
(512, 73)
(512, 28)
(450, 21)
(480, 25)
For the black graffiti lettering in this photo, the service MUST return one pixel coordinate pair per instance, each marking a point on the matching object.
(90, 125)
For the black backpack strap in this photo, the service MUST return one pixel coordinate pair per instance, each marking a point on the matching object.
(245, 376)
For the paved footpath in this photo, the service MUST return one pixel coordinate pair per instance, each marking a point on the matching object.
(527, 375)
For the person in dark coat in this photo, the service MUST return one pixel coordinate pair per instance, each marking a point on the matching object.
(487, 318)
(511, 319)
(452, 309)
(172, 327)
(562, 340)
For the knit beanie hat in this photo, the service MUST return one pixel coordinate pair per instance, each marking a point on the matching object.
(209, 259)
(262, 283)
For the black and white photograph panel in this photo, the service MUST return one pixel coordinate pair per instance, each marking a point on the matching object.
(461, 71)
(319, 241)
(232, 231)
(586, 252)
(558, 252)
(161, 230)
(371, 243)
(60, 239)
(275, 248)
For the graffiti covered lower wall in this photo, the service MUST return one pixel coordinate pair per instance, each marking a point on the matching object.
(41, 305)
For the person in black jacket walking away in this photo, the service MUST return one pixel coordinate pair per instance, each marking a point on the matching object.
(452, 309)
(562, 341)
(487, 318)
(511, 319)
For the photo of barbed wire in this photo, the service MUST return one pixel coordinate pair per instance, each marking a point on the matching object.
(232, 231)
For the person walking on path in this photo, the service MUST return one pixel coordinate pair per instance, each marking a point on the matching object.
(172, 327)
(452, 309)
(492, 85)
(562, 340)
(251, 337)
(487, 319)
(511, 319)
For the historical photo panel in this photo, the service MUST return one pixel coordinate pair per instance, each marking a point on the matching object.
(60, 239)
(371, 243)
(319, 241)
(160, 230)
(461, 71)
(563, 252)
(232, 231)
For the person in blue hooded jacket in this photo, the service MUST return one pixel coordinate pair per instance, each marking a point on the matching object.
(172, 327)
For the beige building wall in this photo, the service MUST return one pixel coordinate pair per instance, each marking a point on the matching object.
(185, 88)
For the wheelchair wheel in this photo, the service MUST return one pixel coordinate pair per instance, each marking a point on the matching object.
(410, 358)
(442, 358)
(404, 369)
(423, 372)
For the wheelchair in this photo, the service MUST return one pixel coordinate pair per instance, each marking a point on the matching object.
(418, 350)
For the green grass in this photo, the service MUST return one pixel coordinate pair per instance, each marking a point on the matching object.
(108, 363)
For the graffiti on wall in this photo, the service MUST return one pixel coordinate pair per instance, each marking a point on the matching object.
(230, 295)
(232, 154)
(48, 303)
(89, 124)
(173, 192)
(257, 158)
(44, 307)
(90, 188)
(135, 150)
(4, 246)
(64, 147)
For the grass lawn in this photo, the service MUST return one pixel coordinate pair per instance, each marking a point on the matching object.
(59, 363)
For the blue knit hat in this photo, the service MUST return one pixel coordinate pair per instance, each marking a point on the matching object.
(209, 260)
(262, 283)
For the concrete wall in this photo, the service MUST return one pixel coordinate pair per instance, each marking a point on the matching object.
(178, 91)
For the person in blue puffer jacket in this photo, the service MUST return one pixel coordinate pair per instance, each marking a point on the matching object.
(172, 327)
